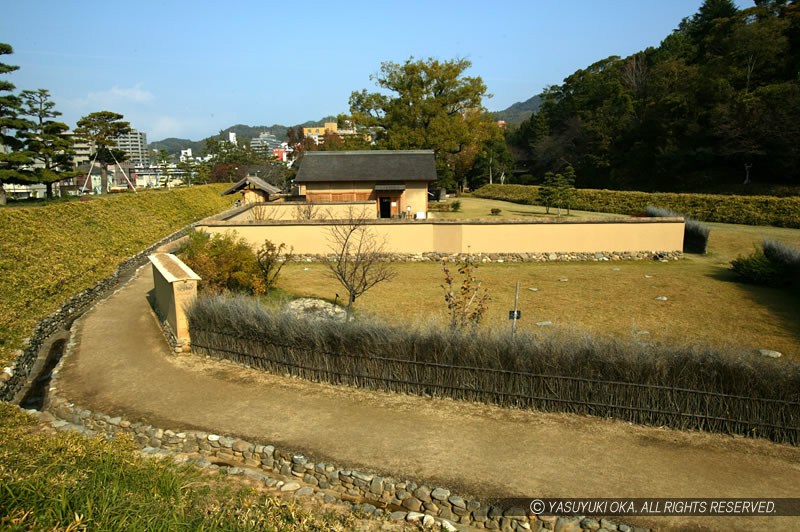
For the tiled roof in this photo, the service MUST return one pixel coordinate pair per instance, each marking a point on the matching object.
(374, 165)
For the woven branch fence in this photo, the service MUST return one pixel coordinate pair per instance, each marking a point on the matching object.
(647, 404)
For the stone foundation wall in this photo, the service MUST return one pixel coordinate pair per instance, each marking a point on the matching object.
(663, 256)
(298, 475)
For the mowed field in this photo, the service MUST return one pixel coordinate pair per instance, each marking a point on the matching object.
(705, 304)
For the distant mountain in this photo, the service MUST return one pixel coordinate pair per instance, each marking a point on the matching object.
(174, 146)
(520, 111)
(243, 132)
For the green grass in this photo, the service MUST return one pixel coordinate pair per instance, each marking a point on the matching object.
(68, 481)
(49, 252)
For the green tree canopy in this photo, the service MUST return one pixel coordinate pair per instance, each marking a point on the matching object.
(47, 141)
(430, 104)
(101, 129)
(718, 102)
(13, 157)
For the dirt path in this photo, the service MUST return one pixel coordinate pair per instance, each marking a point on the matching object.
(122, 366)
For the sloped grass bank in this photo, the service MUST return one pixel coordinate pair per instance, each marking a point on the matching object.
(71, 482)
(663, 385)
(50, 253)
(746, 210)
(66, 481)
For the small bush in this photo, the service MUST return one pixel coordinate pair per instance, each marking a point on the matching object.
(439, 207)
(775, 264)
(695, 234)
(781, 254)
(756, 268)
(224, 262)
(495, 211)
(455, 206)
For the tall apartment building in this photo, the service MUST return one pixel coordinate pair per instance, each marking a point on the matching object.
(135, 145)
(264, 143)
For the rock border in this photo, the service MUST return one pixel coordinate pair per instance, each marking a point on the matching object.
(561, 256)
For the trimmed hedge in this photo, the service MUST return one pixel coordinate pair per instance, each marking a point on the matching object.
(49, 253)
(747, 210)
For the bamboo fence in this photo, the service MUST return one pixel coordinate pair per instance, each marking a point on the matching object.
(646, 404)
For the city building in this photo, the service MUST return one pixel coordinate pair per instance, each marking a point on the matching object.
(264, 143)
(318, 132)
(134, 144)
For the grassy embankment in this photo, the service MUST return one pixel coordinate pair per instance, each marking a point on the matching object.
(67, 481)
(705, 304)
(49, 253)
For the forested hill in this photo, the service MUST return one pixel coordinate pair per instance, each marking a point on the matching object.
(716, 102)
(520, 111)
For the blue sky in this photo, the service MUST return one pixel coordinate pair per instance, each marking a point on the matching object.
(180, 69)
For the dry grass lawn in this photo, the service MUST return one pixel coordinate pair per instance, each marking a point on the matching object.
(705, 305)
(479, 208)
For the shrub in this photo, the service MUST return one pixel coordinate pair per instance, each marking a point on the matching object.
(782, 254)
(466, 305)
(439, 207)
(775, 264)
(271, 259)
(224, 262)
(455, 206)
(756, 268)
(695, 234)
(495, 211)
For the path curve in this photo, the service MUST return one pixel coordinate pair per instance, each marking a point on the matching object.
(121, 365)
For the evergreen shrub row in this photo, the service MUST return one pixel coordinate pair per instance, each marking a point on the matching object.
(747, 210)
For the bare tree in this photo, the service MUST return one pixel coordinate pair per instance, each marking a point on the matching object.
(358, 261)
(305, 211)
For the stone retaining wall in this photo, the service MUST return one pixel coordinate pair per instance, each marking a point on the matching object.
(298, 475)
(663, 256)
